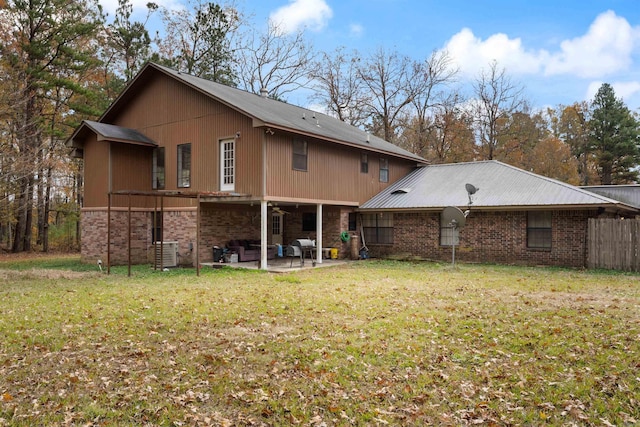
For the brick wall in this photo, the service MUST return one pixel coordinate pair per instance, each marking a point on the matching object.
(335, 220)
(219, 224)
(497, 237)
(93, 225)
(178, 226)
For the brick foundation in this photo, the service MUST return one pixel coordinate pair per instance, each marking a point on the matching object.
(495, 237)
(178, 226)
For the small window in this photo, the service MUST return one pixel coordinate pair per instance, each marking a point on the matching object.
(309, 221)
(378, 228)
(184, 165)
(449, 236)
(364, 163)
(353, 225)
(539, 230)
(384, 170)
(300, 155)
(158, 169)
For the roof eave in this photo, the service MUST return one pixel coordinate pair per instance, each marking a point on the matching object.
(613, 208)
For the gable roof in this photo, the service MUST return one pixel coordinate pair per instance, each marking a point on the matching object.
(501, 186)
(268, 113)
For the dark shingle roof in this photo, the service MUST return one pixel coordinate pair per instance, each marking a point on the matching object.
(109, 132)
(501, 186)
(280, 115)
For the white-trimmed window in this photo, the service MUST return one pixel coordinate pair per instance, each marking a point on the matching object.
(227, 165)
(184, 165)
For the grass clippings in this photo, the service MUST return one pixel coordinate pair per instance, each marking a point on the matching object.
(370, 343)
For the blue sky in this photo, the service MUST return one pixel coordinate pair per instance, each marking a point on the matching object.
(561, 51)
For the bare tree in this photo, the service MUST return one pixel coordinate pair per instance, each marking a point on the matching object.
(387, 76)
(497, 98)
(339, 87)
(429, 89)
(275, 61)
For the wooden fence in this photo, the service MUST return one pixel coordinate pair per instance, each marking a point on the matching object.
(613, 244)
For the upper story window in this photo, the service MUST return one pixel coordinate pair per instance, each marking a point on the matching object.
(157, 174)
(227, 165)
(384, 169)
(299, 155)
(539, 229)
(364, 163)
(184, 165)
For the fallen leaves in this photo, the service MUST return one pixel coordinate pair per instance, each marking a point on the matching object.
(421, 346)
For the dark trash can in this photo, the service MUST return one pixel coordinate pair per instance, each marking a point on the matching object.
(217, 254)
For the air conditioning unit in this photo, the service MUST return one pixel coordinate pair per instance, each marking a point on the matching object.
(167, 254)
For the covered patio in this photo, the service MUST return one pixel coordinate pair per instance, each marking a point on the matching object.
(233, 207)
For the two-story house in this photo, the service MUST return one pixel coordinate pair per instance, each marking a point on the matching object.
(180, 158)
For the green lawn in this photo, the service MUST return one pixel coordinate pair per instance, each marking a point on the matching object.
(371, 343)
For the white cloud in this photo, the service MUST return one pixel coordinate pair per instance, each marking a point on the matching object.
(605, 49)
(313, 14)
(473, 54)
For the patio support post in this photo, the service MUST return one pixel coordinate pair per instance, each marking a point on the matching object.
(198, 215)
(129, 237)
(109, 233)
(162, 234)
(154, 233)
(319, 234)
(263, 235)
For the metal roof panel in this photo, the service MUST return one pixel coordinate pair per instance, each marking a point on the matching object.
(499, 184)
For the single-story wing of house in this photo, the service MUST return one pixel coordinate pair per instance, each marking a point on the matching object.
(513, 216)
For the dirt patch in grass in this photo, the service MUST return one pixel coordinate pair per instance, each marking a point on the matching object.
(43, 274)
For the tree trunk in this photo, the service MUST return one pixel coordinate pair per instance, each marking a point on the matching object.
(22, 236)
(40, 205)
(47, 209)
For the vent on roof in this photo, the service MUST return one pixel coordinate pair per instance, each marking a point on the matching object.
(264, 92)
(403, 190)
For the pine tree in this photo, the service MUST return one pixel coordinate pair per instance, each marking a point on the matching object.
(613, 138)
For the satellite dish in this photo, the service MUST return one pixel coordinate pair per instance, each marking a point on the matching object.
(471, 189)
(454, 216)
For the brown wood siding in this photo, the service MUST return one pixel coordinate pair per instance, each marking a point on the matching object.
(130, 170)
(171, 114)
(333, 172)
(96, 172)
